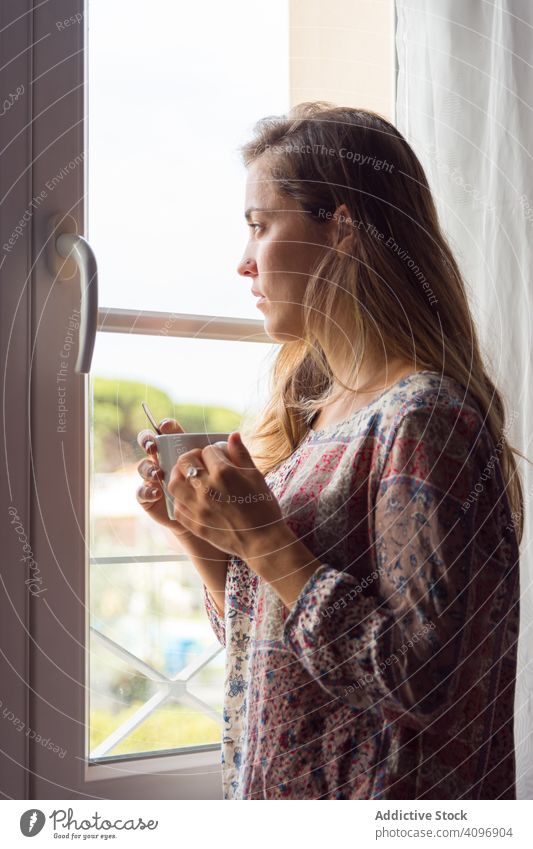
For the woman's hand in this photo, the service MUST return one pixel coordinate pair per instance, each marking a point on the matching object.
(228, 503)
(150, 494)
(210, 563)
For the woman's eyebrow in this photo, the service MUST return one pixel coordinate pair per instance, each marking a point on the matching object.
(251, 209)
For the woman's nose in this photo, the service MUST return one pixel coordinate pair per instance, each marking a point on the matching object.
(247, 267)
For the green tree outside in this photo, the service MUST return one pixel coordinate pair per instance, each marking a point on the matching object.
(118, 417)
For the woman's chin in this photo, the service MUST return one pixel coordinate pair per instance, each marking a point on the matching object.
(279, 333)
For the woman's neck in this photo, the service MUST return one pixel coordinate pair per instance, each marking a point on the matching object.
(371, 382)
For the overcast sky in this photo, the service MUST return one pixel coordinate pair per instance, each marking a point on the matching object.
(172, 94)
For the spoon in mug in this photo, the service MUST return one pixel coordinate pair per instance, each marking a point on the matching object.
(150, 417)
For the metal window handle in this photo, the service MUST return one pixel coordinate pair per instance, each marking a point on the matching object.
(72, 245)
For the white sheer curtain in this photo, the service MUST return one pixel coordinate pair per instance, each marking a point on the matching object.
(464, 102)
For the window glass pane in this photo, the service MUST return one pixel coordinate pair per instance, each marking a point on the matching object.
(169, 102)
(171, 726)
(147, 617)
(156, 670)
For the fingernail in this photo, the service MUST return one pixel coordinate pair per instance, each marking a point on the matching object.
(148, 445)
(154, 492)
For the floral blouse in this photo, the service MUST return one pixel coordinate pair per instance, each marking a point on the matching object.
(393, 675)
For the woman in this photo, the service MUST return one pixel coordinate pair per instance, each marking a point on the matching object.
(360, 562)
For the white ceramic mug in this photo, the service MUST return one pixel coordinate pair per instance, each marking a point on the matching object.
(170, 446)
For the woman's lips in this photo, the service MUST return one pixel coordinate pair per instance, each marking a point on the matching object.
(260, 297)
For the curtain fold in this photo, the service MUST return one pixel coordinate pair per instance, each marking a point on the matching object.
(465, 104)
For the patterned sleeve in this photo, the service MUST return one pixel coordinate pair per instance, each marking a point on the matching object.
(407, 647)
(217, 621)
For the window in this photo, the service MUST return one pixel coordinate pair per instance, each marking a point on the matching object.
(164, 172)
(164, 175)
(156, 671)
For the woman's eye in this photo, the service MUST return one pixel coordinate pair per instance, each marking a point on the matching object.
(254, 225)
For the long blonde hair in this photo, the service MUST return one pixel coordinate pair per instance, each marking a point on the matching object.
(399, 281)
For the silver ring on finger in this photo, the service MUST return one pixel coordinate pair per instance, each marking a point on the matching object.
(192, 472)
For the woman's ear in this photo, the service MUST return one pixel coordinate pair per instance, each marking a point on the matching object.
(345, 227)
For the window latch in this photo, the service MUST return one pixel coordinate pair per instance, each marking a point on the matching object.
(74, 247)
